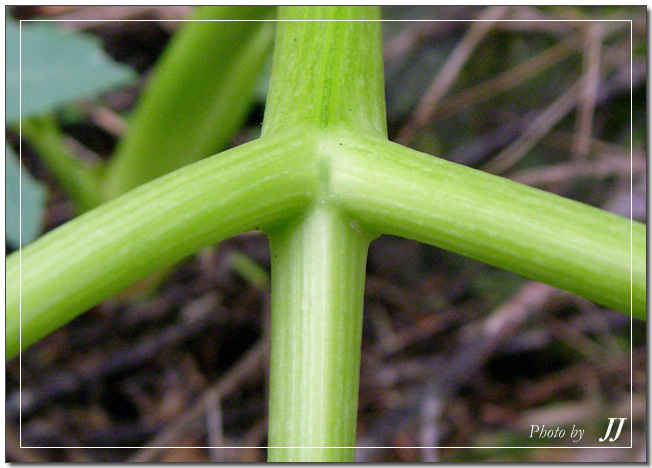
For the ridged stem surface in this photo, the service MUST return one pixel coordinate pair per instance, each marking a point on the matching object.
(391, 189)
(95, 255)
(327, 71)
(327, 75)
(318, 274)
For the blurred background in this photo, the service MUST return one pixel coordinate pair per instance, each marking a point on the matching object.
(456, 354)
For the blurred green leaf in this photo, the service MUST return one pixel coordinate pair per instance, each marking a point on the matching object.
(21, 186)
(57, 66)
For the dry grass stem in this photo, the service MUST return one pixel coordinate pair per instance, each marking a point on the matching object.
(541, 125)
(407, 40)
(591, 77)
(214, 428)
(450, 71)
(247, 365)
(508, 79)
(573, 170)
(108, 120)
(563, 140)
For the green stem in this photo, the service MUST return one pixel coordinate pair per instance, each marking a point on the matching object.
(90, 258)
(321, 182)
(199, 95)
(80, 181)
(318, 271)
(327, 74)
(396, 190)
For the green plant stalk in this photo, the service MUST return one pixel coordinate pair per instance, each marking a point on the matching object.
(318, 262)
(327, 181)
(342, 87)
(545, 237)
(318, 273)
(199, 96)
(81, 181)
(90, 258)
(503, 223)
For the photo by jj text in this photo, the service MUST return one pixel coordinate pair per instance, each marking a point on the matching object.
(575, 433)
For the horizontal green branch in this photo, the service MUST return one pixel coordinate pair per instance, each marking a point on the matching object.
(384, 187)
(85, 261)
(394, 190)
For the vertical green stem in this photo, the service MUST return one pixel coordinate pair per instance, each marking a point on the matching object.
(318, 271)
(327, 75)
(327, 71)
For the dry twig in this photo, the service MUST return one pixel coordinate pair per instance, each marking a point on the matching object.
(508, 79)
(591, 77)
(544, 122)
(249, 363)
(449, 72)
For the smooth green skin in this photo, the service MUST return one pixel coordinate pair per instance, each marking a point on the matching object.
(322, 182)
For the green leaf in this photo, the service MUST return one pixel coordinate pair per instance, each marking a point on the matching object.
(21, 186)
(57, 66)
